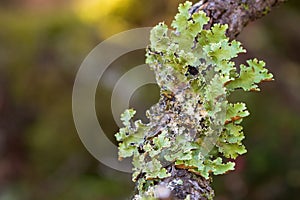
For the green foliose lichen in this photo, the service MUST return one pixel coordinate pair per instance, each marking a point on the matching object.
(193, 125)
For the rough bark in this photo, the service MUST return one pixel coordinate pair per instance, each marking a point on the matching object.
(193, 185)
(237, 14)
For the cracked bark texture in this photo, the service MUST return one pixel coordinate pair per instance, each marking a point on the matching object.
(191, 184)
(237, 14)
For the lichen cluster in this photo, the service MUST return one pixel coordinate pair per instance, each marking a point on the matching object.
(193, 126)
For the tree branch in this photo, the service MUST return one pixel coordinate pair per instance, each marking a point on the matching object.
(236, 13)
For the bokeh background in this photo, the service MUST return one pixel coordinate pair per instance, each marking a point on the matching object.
(42, 44)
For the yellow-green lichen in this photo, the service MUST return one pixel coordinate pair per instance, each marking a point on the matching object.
(194, 69)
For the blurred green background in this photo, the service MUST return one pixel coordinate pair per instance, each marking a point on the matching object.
(42, 44)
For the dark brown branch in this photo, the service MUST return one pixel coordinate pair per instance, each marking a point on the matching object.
(236, 13)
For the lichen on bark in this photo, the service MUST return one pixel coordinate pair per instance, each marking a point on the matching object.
(193, 130)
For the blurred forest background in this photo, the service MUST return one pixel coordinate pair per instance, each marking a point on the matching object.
(42, 44)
